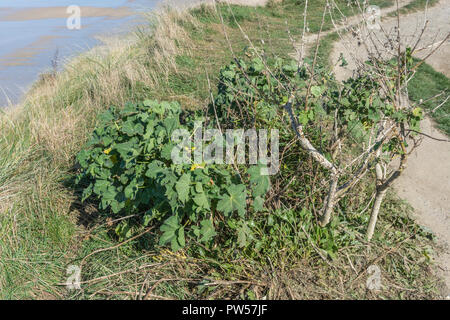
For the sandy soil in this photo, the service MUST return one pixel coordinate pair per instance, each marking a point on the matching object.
(425, 183)
(341, 24)
(22, 56)
(60, 12)
(9, 14)
(438, 27)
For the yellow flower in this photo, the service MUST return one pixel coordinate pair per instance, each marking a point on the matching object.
(107, 151)
(367, 125)
(197, 166)
(417, 112)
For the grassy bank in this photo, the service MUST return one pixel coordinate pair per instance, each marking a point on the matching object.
(427, 84)
(44, 227)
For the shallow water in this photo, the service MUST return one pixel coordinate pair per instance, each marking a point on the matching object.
(34, 32)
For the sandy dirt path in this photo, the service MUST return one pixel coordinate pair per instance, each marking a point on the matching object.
(438, 26)
(342, 24)
(425, 183)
